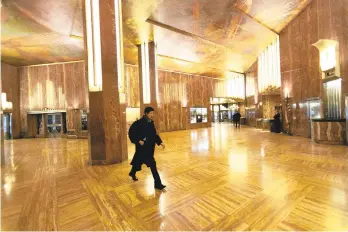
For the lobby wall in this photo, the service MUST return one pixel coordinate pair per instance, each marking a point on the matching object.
(10, 86)
(53, 86)
(300, 70)
(65, 86)
(178, 93)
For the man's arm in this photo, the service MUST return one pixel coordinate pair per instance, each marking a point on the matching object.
(158, 139)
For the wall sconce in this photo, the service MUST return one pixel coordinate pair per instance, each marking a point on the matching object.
(5, 104)
(329, 57)
(250, 86)
(145, 67)
(286, 93)
(184, 103)
(93, 46)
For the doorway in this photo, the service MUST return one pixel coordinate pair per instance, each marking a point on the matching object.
(7, 125)
(56, 125)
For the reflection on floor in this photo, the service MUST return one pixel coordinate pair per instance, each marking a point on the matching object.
(218, 178)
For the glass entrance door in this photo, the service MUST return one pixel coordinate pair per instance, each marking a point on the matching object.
(55, 124)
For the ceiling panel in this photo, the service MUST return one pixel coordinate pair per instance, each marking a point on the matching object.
(274, 13)
(220, 35)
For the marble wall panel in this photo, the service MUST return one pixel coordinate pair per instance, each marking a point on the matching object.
(329, 132)
(132, 86)
(177, 93)
(300, 70)
(64, 86)
(56, 86)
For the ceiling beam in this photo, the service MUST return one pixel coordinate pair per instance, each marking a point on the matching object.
(254, 19)
(185, 33)
(192, 62)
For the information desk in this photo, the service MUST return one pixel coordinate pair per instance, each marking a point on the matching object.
(328, 131)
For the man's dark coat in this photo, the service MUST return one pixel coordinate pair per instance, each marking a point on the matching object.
(146, 131)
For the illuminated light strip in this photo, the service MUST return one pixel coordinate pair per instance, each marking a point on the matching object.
(235, 85)
(90, 45)
(119, 43)
(145, 73)
(250, 86)
(156, 76)
(269, 67)
(93, 46)
(96, 45)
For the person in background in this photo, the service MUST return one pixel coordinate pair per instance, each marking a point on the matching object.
(236, 118)
(143, 134)
(277, 122)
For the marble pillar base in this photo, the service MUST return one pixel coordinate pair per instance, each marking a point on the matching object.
(328, 131)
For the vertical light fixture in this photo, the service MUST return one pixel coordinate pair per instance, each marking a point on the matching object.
(93, 45)
(269, 67)
(119, 43)
(156, 75)
(250, 85)
(145, 73)
(235, 85)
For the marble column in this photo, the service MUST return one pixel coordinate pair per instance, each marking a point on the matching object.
(148, 79)
(105, 68)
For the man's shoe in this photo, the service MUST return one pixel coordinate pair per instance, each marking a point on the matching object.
(133, 176)
(160, 187)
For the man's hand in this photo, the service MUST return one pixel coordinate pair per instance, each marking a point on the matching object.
(163, 146)
(141, 142)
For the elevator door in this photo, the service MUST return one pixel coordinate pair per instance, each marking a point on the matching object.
(313, 113)
(7, 125)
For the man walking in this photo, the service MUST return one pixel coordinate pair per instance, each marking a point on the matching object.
(236, 118)
(143, 134)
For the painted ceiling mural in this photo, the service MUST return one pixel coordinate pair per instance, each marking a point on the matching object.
(197, 36)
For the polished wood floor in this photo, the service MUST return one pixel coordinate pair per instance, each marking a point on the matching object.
(219, 178)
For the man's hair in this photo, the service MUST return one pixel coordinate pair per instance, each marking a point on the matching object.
(148, 110)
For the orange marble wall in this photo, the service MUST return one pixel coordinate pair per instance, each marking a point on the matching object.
(57, 86)
(132, 86)
(268, 104)
(10, 86)
(64, 86)
(300, 70)
(177, 93)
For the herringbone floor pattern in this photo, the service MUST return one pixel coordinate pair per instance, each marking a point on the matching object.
(218, 178)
